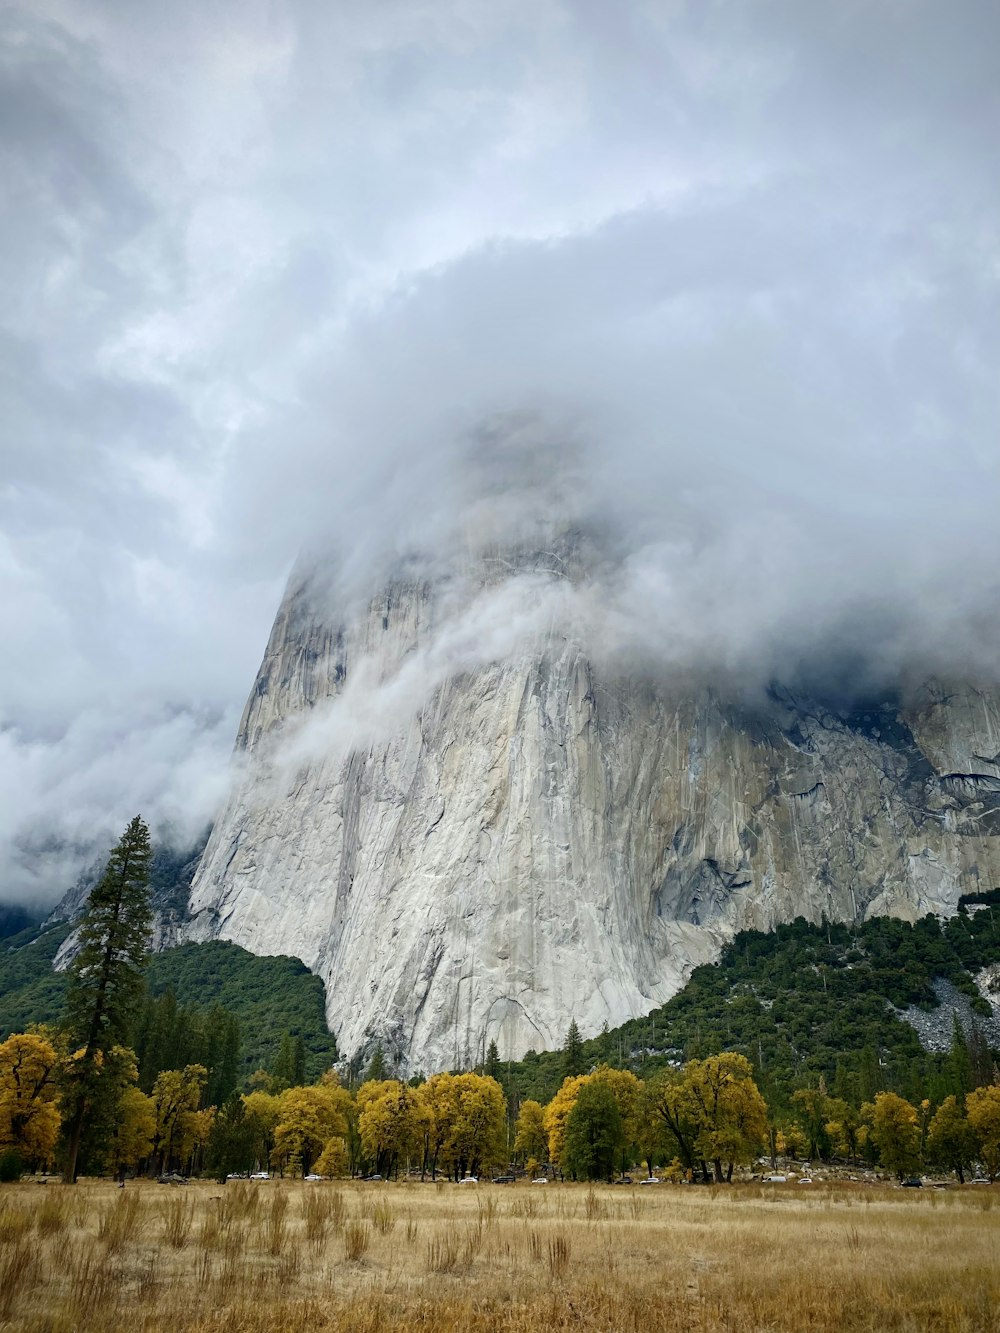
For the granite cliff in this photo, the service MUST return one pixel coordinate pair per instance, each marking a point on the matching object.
(474, 828)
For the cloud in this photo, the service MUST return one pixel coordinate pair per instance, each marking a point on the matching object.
(296, 275)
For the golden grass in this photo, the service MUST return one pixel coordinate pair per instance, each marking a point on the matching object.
(278, 1256)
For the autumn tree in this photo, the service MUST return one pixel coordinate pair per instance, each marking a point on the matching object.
(729, 1109)
(131, 1140)
(263, 1110)
(844, 1130)
(29, 1117)
(334, 1161)
(895, 1132)
(531, 1141)
(626, 1090)
(105, 977)
(437, 1110)
(983, 1108)
(713, 1112)
(387, 1122)
(176, 1098)
(307, 1119)
(478, 1139)
(951, 1140)
(666, 1106)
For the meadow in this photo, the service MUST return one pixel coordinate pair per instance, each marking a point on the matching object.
(277, 1256)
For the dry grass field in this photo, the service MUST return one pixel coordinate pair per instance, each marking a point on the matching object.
(279, 1255)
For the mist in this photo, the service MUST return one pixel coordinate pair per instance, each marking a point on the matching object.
(718, 282)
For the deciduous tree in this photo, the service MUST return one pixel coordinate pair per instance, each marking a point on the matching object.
(983, 1107)
(307, 1119)
(895, 1132)
(176, 1097)
(131, 1140)
(531, 1140)
(29, 1117)
(387, 1122)
(951, 1140)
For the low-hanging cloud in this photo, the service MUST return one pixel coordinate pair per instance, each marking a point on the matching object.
(719, 281)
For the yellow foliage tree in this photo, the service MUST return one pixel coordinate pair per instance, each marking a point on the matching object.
(730, 1112)
(29, 1117)
(983, 1109)
(134, 1132)
(307, 1119)
(478, 1139)
(712, 1111)
(334, 1161)
(265, 1110)
(894, 1126)
(176, 1095)
(844, 1129)
(388, 1122)
(531, 1143)
(437, 1110)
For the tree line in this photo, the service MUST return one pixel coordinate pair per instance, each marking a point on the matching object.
(173, 1100)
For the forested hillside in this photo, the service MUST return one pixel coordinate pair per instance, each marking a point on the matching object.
(809, 1000)
(269, 998)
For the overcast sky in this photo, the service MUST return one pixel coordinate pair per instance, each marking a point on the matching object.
(267, 268)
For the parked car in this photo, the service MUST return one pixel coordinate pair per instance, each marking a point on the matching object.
(540, 1180)
(469, 1180)
(913, 1183)
(260, 1175)
(312, 1176)
(503, 1180)
(650, 1180)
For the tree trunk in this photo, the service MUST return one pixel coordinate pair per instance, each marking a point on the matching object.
(73, 1145)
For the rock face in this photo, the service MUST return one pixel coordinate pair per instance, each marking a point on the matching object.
(471, 831)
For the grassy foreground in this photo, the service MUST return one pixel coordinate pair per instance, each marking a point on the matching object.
(443, 1258)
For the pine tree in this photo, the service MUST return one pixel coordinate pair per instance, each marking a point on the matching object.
(376, 1070)
(105, 977)
(492, 1068)
(283, 1069)
(573, 1052)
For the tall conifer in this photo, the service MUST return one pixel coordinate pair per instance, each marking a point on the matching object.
(105, 977)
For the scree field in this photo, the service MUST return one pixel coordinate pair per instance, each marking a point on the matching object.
(284, 1255)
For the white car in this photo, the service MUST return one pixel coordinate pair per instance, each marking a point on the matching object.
(469, 1180)
(260, 1175)
(650, 1180)
(542, 1180)
(312, 1176)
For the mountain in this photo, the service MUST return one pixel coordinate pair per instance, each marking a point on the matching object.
(473, 821)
